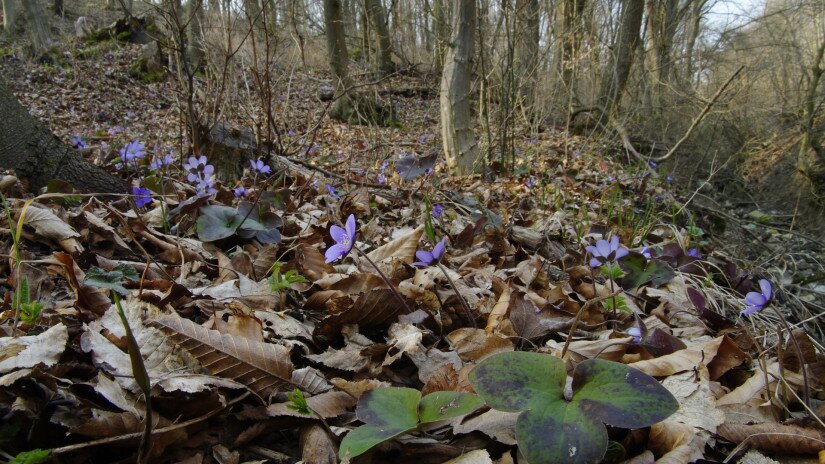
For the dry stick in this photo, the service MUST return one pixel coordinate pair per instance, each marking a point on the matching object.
(698, 119)
(579, 315)
(460, 298)
(386, 280)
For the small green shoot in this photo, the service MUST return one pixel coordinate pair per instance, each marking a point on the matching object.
(35, 456)
(112, 280)
(393, 411)
(29, 310)
(279, 282)
(553, 428)
(617, 303)
(298, 402)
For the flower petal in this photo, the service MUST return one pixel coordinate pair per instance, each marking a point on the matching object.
(335, 252)
(438, 250)
(594, 262)
(338, 234)
(603, 247)
(755, 299)
(767, 288)
(350, 226)
(592, 250)
(614, 243)
(621, 252)
(750, 310)
(424, 256)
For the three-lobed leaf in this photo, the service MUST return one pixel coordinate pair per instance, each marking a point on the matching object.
(639, 271)
(112, 280)
(551, 429)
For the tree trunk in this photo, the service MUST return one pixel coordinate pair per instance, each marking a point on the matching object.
(460, 146)
(621, 60)
(38, 25)
(336, 42)
(195, 34)
(661, 28)
(569, 37)
(527, 48)
(58, 7)
(9, 16)
(442, 30)
(377, 18)
(38, 156)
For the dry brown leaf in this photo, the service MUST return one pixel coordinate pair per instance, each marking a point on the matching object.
(498, 425)
(756, 384)
(697, 403)
(31, 350)
(356, 389)
(402, 338)
(103, 424)
(473, 457)
(775, 438)
(311, 263)
(326, 405)
(350, 357)
(682, 360)
(500, 311)
(47, 225)
(310, 380)
(474, 345)
(676, 443)
(611, 349)
(376, 308)
(391, 254)
(263, 367)
(316, 446)
(94, 299)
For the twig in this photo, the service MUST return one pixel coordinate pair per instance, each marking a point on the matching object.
(579, 315)
(698, 119)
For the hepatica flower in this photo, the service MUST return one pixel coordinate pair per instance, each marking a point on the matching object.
(646, 253)
(132, 151)
(437, 211)
(428, 258)
(143, 196)
(202, 174)
(160, 162)
(260, 167)
(77, 142)
(694, 252)
(333, 193)
(344, 240)
(604, 252)
(636, 333)
(531, 182)
(240, 191)
(757, 301)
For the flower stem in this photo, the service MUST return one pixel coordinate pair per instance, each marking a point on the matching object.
(386, 280)
(613, 299)
(464, 304)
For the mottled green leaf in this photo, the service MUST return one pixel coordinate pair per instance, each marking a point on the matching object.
(620, 395)
(217, 222)
(442, 405)
(639, 271)
(560, 433)
(363, 438)
(392, 407)
(517, 381)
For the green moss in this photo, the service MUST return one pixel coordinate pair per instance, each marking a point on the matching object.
(124, 36)
(89, 52)
(138, 70)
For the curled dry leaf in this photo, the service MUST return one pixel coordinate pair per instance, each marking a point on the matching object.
(31, 350)
(263, 367)
(316, 446)
(473, 457)
(47, 225)
(90, 298)
(676, 443)
(473, 345)
(775, 438)
(391, 254)
(753, 388)
(326, 405)
(684, 360)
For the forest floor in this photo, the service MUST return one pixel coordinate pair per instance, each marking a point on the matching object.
(216, 278)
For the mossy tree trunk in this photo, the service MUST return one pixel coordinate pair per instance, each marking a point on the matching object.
(527, 49)
(378, 20)
(621, 60)
(38, 156)
(9, 16)
(38, 25)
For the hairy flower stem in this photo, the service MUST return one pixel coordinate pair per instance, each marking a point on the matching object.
(386, 280)
(578, 319)
(613, 299)
(460, 298)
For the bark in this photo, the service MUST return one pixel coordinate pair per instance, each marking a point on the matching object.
(569, 33)
(661, 29)
(38, 156)
(442, 30)
(460, 146)
(9, 16)
(693, 35)
(336, 42)
(195, 34)
(809, 146)
(621, 60)
(527, 48)
(38, 25)
(378, 21)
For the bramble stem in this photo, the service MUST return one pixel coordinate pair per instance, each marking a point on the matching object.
(460, 298)
(386, 280)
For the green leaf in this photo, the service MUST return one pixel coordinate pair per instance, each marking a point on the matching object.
(620, 395)
(217, 222)
(517, 381)
(639, 271)
(391, 407)
(111, 280)
(560, 433)
(365, 437)
(35, 456)
(442, 405)
(298, 402)
(24, 292)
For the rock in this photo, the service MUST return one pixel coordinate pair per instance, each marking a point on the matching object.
(152, 58)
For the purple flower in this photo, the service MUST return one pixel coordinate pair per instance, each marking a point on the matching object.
(653, 164)
(636, 333)
(198, 169)
(438, 210)
(333, 193)
(646, 253)
(142, 196)
(315, 149)
(384, 166)
(132, 151)
(77, 142)
(291, 133)
(159, 162)
(240, 191)
(605, 251)
(757, 301)
(427, 258)
(669, 178)
(314, 184)
(260, 166)
(326, 88)
(531, 182)
(694, 252)
(423, 138)
(382, 178)
(344, 240)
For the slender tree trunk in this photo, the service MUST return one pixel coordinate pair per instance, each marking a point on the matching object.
(527, 48)
(568, 41)
(38, 156)
(692, 36)
(621, 60)
(442, 30)
(195, 34)
(58, 7)
(460, 146)
(9, 16)
(38, 25)
(809, 146)
(377, 18)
